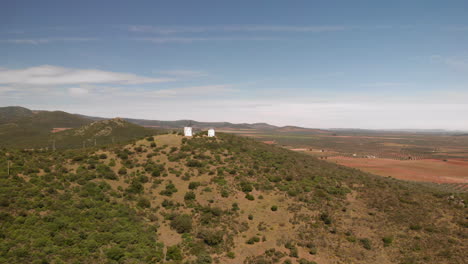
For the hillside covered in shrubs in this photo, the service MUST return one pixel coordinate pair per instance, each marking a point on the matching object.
(229, 199)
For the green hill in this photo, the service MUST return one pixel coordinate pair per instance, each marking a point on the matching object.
(100, 133)
(229, 199)
(23, 128)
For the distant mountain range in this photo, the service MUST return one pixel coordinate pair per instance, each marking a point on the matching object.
(27, 128)
(177, 124)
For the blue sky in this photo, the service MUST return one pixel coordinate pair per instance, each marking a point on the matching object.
(365, 64)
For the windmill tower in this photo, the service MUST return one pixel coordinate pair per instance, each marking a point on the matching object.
(188, 130)
(211, 132)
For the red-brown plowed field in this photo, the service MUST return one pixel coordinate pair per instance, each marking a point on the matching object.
(59, 129)
(428, 170)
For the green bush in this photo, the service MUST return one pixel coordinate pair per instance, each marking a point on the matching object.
(253, 240)
(366, 243)
(189, 196)
(194, 163)
(387, 241)
(174, 253)
(246, 187)
(193, 185)
(204, 259)
(182, 223)
(122, 171)
(144, 203)
(211, 237)
(274, 208)
(170, 189)
(115, 253)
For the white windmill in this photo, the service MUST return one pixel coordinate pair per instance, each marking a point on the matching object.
(211, 132)
(188, 130)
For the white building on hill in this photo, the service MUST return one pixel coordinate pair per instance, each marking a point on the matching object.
(211, 132)
(188, 131)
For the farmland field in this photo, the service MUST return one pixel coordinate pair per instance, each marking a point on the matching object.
(428, 157)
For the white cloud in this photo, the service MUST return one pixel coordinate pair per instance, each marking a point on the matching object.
(162, 40)
(54, 75)
(78, 91)
(232, 28)
(192, 91)
(184, 73)
(385, 84)
(36, 41)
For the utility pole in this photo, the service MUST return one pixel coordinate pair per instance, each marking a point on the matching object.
(53, 145)
(95, 142)
(8, 165)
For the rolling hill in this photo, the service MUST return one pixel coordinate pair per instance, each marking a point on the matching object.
(23, 128)
(229, 199)
(100, 133)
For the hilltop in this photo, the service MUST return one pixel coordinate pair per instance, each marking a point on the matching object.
(101, 133)
(24, 128)
(229, 199)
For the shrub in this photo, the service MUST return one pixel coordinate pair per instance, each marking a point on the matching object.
(167, 203)
(122, 171)
(144, 203)
(246, 187)
(194, 164)
(193, 185)
(115, 253)
(325, 218)
(103, 156)
(274, 208)
(231, 255)
(211, 237)
(366, 243)
(174, 253)
(204, 259)
(189, 196)
(253, 240)
(182, 223)
(387, 241)
(170, 189)
(249, 197)
(415, 227)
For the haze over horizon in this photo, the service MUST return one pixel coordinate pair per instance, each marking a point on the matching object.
(318, 64)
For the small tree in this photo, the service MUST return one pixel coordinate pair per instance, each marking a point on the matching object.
(182, 223)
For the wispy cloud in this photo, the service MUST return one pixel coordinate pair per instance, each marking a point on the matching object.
(37, 41)
(459, 63)
(184, 73)
(193, 90)
(54, 75)
(384, 84)
(5, 89)
(162, 40)
(232, 28)
(78, 91)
